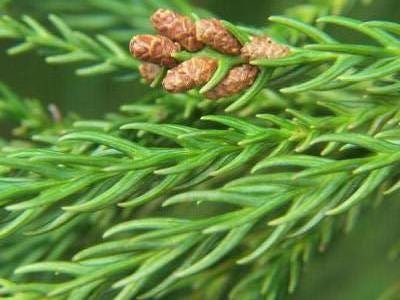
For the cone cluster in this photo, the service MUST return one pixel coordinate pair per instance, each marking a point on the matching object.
(177, 32)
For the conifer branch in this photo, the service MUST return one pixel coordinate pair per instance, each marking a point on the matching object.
(101, 55)
(331, 64)
(273, 186)
(116, 19)
(218, 154)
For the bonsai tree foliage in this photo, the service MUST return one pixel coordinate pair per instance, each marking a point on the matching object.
(251, 150)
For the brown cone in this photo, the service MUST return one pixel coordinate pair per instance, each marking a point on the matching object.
(149, 71)
(155, 49)
(238, 79)
(176, 27)
(264, 47)
(192, 73)
(212, 33)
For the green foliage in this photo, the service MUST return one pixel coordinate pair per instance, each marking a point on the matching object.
(275, 173)
(103, 55)
(118, 19)
(29, 113)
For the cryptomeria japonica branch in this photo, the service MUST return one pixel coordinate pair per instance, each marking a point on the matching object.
(255, 148)
(228, 68)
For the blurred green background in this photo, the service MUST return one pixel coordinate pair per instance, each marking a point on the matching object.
(356, 267)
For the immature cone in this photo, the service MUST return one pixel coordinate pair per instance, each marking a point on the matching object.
(149, 71)
(155, 49)
(190, 74)
(264, 47)
(212, 33)
(238, 79)
(176, 27)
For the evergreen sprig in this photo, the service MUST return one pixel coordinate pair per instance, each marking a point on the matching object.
(215, 153)
(330, 64)
(116, 19)
(274, 181)
(101, 55)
